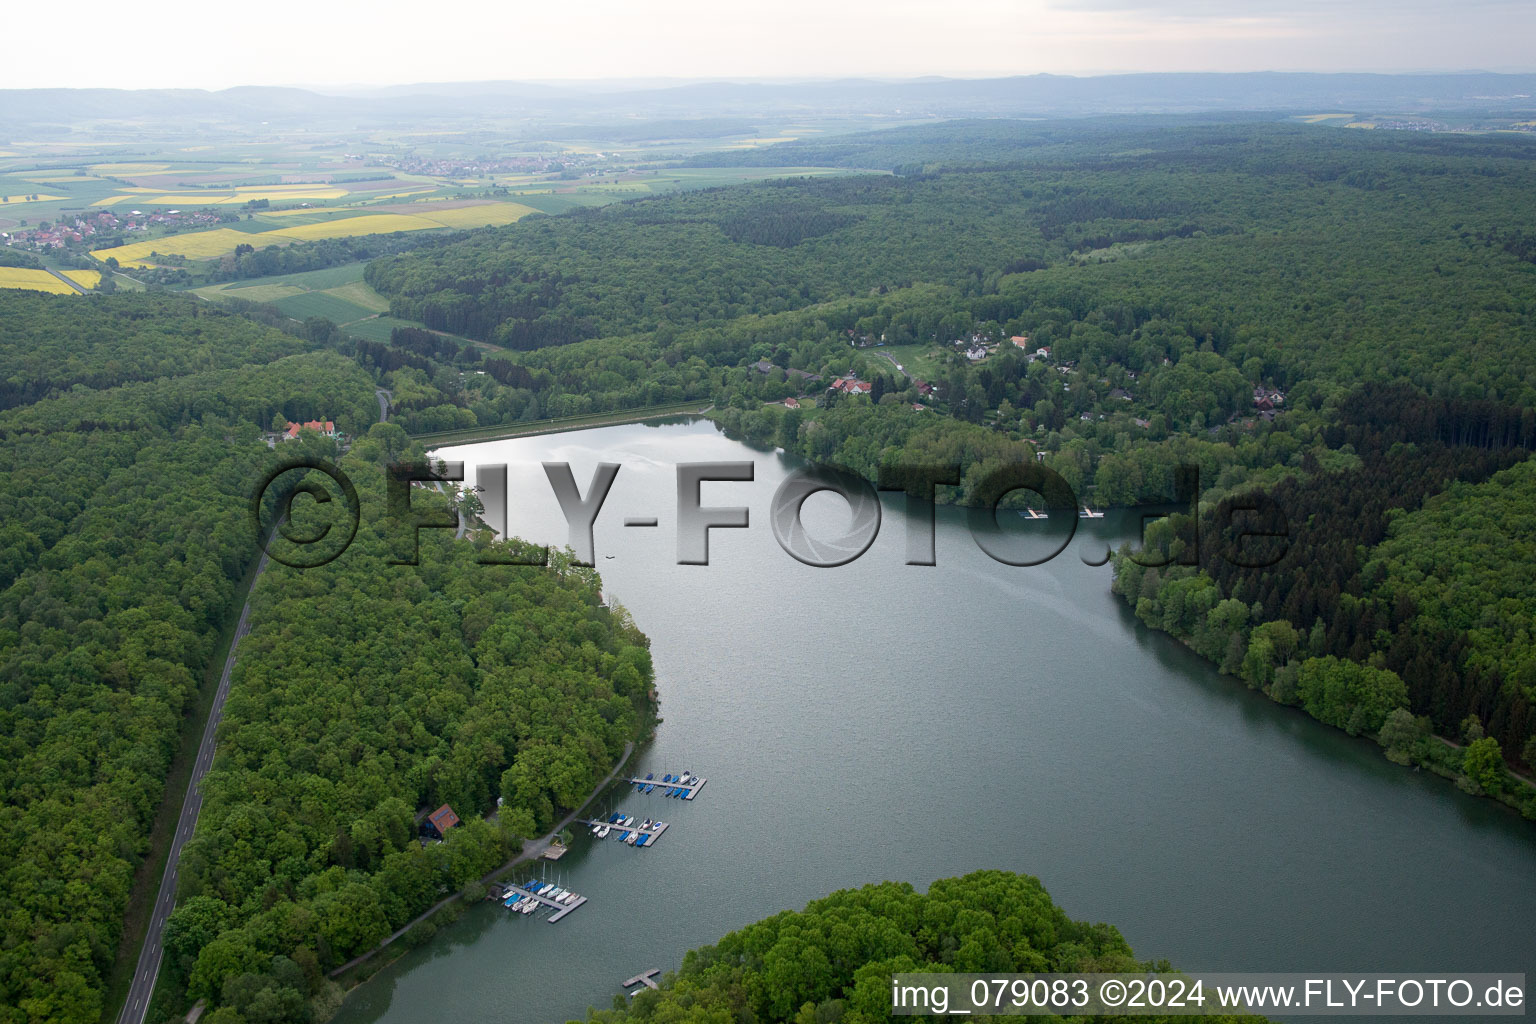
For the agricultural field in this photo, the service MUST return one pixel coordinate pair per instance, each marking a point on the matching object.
(207, 245)
(83, 278)
(33, 280)
(337, 293)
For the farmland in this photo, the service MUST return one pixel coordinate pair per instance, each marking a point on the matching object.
(33, 280)
(336, 293)
(205, 245)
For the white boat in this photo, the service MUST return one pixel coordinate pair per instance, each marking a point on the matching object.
(1088, 513)
(602, 833)
(570, 897)
(1030, 513)
(530, 907)
(630, 839)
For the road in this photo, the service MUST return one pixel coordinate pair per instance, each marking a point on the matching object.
(383, 395)
(73, 284)
(148, 968)
(899, 368)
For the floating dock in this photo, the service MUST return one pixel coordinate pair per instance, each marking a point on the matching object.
(560, 909)
(682, 791)
(646, 978)
(650, 835)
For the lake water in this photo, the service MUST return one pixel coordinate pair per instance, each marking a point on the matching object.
(885, 721)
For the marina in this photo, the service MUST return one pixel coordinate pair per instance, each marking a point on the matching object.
(535, 895)
(681, 786)
(628, 830)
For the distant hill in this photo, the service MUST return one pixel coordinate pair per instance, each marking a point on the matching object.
(1033, 95)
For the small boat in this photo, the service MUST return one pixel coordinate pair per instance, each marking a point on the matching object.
(666, 778)
(642, 840)
(630, 839)
(604, 833)
(1030, 513)
(532, 905)
(649, 776)
(1088, 513)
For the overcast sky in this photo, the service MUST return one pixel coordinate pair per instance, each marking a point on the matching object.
(324, 42)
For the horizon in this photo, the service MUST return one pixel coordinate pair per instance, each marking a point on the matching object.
(621, 84)
(798, 40)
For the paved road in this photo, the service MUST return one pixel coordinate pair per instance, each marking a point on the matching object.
(148, 968)
(73, 284)
(892, 359)
(383, 395)
(149, 956)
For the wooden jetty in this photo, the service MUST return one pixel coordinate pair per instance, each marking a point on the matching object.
(618, 830)
(691, 790)
(561, 909)
(646, 978)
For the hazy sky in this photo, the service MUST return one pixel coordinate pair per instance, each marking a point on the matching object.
(215, 45)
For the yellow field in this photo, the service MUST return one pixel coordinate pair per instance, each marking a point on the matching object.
(236, 198)
(33, 280)
(477, 216)
(199, 245)
(1315, 118)
(371, 224)
(14, 200)
(207, 245)
(84, 278)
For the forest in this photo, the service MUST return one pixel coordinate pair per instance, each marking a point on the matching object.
(833, 960)
(366, 694)
(125, 534)
(1397, 606)
(132, 445)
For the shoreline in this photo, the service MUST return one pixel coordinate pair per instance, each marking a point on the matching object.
(532, 849)
(504, 432)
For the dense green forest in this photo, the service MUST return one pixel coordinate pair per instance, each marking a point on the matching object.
(833, 960)
(1388, 610)
(132, 447)
(368, 692)
(1167, 281)
(126, 530)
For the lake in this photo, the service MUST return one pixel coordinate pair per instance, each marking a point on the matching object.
(885, 721)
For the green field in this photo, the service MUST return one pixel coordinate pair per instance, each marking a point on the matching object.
(336, 293)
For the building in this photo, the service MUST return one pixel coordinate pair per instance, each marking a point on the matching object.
(791, 403)
(439, 822)
(325, 427)
(851, 386)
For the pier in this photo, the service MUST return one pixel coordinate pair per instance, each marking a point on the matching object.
(618, 830)
(687, 791)
(646, 978)
(560, 909)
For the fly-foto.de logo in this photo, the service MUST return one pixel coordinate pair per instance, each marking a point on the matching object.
(1254, 532)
